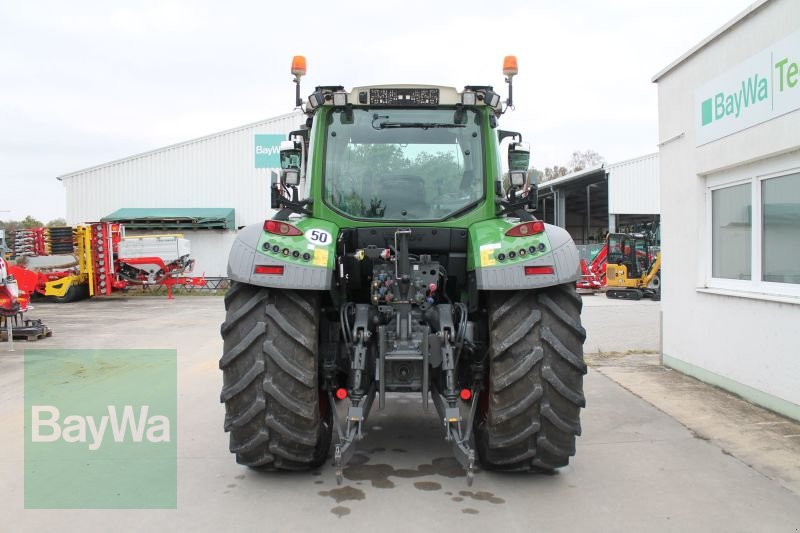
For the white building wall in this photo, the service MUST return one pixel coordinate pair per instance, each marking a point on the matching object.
(634, 186)
(743, 340)
(209, 249)
(214, 171)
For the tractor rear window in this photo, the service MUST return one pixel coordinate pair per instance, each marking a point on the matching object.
(403, 164)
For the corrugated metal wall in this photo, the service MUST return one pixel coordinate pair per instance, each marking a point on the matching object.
(213, 171)
(634, 187)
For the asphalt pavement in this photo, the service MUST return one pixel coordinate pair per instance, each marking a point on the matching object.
(636, 468)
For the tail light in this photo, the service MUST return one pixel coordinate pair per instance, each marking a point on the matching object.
(341, 393)
(538, 270)
(269, 270)
(526, 229)
(281, 228)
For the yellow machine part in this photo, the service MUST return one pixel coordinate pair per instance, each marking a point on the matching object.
(617, 275)
(59, 287)
(81, 236)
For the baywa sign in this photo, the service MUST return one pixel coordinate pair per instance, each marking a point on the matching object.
(759, 89)
(100, 429)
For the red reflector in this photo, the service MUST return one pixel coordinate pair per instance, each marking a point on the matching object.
(281, 228)
(526, 229)
(537, 270)
(341, 393)
(466, 394)
(274, 270)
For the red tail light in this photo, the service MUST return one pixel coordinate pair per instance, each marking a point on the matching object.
(526, 229)
(465, 394)
(341, 393)
(538, 270)
(270, 270)
(281, 228)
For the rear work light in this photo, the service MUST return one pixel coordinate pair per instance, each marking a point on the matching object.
(526, 229)
(281, 228)
(538, 270)
(270, 270)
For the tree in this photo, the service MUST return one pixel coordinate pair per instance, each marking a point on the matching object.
(9, 225)
(556, 171)
(585, 159)
(56, 222)
(30, 222)
(535, 175)
(580, 160)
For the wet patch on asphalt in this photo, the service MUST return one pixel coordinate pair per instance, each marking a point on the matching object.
(482, 495)
(378, 474)
(340, 510)
(385, 476)
(344, 494)
(427, 485)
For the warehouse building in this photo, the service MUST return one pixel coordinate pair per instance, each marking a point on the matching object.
(205, 189)
(729, 110)
(603, 198)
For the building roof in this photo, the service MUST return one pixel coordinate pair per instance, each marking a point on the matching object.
(174, 218)
(591, 174)
(184, 143)
(752, 8)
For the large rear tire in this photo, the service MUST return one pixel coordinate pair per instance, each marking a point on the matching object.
(535, 388)
(270, 379)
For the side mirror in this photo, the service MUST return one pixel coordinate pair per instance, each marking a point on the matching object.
(519, 156)
(290, 177)
(291, 154)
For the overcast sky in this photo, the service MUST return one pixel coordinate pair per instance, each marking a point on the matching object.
(83, 83)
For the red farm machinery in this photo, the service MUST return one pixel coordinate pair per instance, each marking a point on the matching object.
(97, 259)
(66, 264)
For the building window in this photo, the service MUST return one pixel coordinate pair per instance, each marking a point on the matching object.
(731, 232)
(780, 241)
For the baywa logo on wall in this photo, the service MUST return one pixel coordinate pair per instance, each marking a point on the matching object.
(100, 429)
(759, 89)
(752, 91)
(267, 150)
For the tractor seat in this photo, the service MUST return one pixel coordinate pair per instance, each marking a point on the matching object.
(403, 192)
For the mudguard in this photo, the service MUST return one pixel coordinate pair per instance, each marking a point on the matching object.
(499, 261)
(307, 260)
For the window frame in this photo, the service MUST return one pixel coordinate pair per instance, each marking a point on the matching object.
(755, 175)
(463, 211)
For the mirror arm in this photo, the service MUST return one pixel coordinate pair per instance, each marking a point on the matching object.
(289, 207)
(514, 207)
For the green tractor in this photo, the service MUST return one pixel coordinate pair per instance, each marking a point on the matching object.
(400, 260)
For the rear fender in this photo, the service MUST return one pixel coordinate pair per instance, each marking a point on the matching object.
(499, 261)
(307, 260)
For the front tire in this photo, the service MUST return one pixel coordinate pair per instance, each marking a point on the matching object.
(535, 387)
(270, 379)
